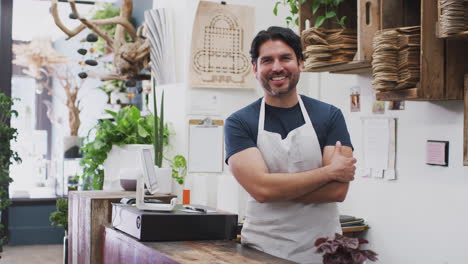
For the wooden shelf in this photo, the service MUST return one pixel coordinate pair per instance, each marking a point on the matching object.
(398, 95)
(443, 61)
(351, 67)
(362, 16)
(461, 35)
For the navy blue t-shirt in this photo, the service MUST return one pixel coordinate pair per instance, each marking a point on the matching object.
(241, 128)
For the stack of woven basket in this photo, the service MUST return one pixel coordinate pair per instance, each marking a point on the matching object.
(323, 47)
(396, 58)
(454, 16)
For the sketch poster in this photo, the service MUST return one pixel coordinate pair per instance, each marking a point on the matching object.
(220, 46)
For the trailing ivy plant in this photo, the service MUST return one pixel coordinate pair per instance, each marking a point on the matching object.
(128, 127)
(7, 155)
(328, 6)
(179, 168)
(293, 6)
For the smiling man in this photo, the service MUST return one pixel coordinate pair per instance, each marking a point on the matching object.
(291, 153)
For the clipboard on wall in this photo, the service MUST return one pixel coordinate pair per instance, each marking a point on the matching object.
(206, 146)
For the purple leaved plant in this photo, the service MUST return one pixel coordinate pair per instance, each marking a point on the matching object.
(343, 250)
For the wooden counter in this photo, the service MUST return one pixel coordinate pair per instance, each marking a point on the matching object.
(87, 212)
(120, 248)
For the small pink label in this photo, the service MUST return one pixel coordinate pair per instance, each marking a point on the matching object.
(435, 153)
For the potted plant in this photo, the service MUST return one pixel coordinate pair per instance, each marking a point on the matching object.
(127, 127)
(60, 218)
(7, 156)
(332, 45)
(178, 165)
(343, 250)
(329, 8)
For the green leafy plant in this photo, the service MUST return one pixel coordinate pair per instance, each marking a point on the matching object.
(293, 6)
(179, 168)
(329, 8)
(128, 127)
(60, 217)
(7, 155)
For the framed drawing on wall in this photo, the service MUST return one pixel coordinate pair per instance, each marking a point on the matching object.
(220, 46)
(465, 127)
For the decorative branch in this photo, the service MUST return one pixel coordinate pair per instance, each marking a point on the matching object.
(130, 57)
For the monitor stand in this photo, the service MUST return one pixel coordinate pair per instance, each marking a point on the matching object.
(140, 199)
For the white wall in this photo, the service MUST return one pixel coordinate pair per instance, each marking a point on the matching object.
(420, 217)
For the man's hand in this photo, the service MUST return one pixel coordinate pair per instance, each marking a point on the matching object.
(341, 168)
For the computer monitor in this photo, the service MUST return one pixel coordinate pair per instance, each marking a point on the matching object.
(149, 177)
(149, 173)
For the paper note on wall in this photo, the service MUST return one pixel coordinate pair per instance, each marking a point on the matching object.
(376, 142)
(205, 148)
(379, 146)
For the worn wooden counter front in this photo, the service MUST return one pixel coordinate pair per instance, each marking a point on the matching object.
(88, 211)
(120, 248)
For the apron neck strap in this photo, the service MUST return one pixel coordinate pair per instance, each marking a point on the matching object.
(261, 119)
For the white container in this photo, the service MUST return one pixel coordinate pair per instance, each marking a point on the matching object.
(118, 158)
(164, 179)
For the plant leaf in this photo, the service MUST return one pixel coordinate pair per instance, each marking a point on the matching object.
(293, 6)
(342, 22)
(275, 9)
(315, 6)
(330, 14)
(319, 21)
(113, 114)
(142, 131)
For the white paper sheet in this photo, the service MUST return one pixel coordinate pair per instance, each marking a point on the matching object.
(205, 148)
(379, 146)
(376, 142)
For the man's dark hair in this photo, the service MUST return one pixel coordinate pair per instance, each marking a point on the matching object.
(276, 33)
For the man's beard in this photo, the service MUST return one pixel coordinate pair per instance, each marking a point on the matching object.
(293, 80)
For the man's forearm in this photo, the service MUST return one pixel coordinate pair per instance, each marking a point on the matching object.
(251, 172)
(330, 192)
(278, 187)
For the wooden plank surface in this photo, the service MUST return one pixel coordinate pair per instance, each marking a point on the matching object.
(465, 129)
(367, 26)
(119, 248)
(456, 66)
(345, 67)
(432, 54)
(305, 14)
(459, 36)
(391, 14)
(399, 95)
(88, 210)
